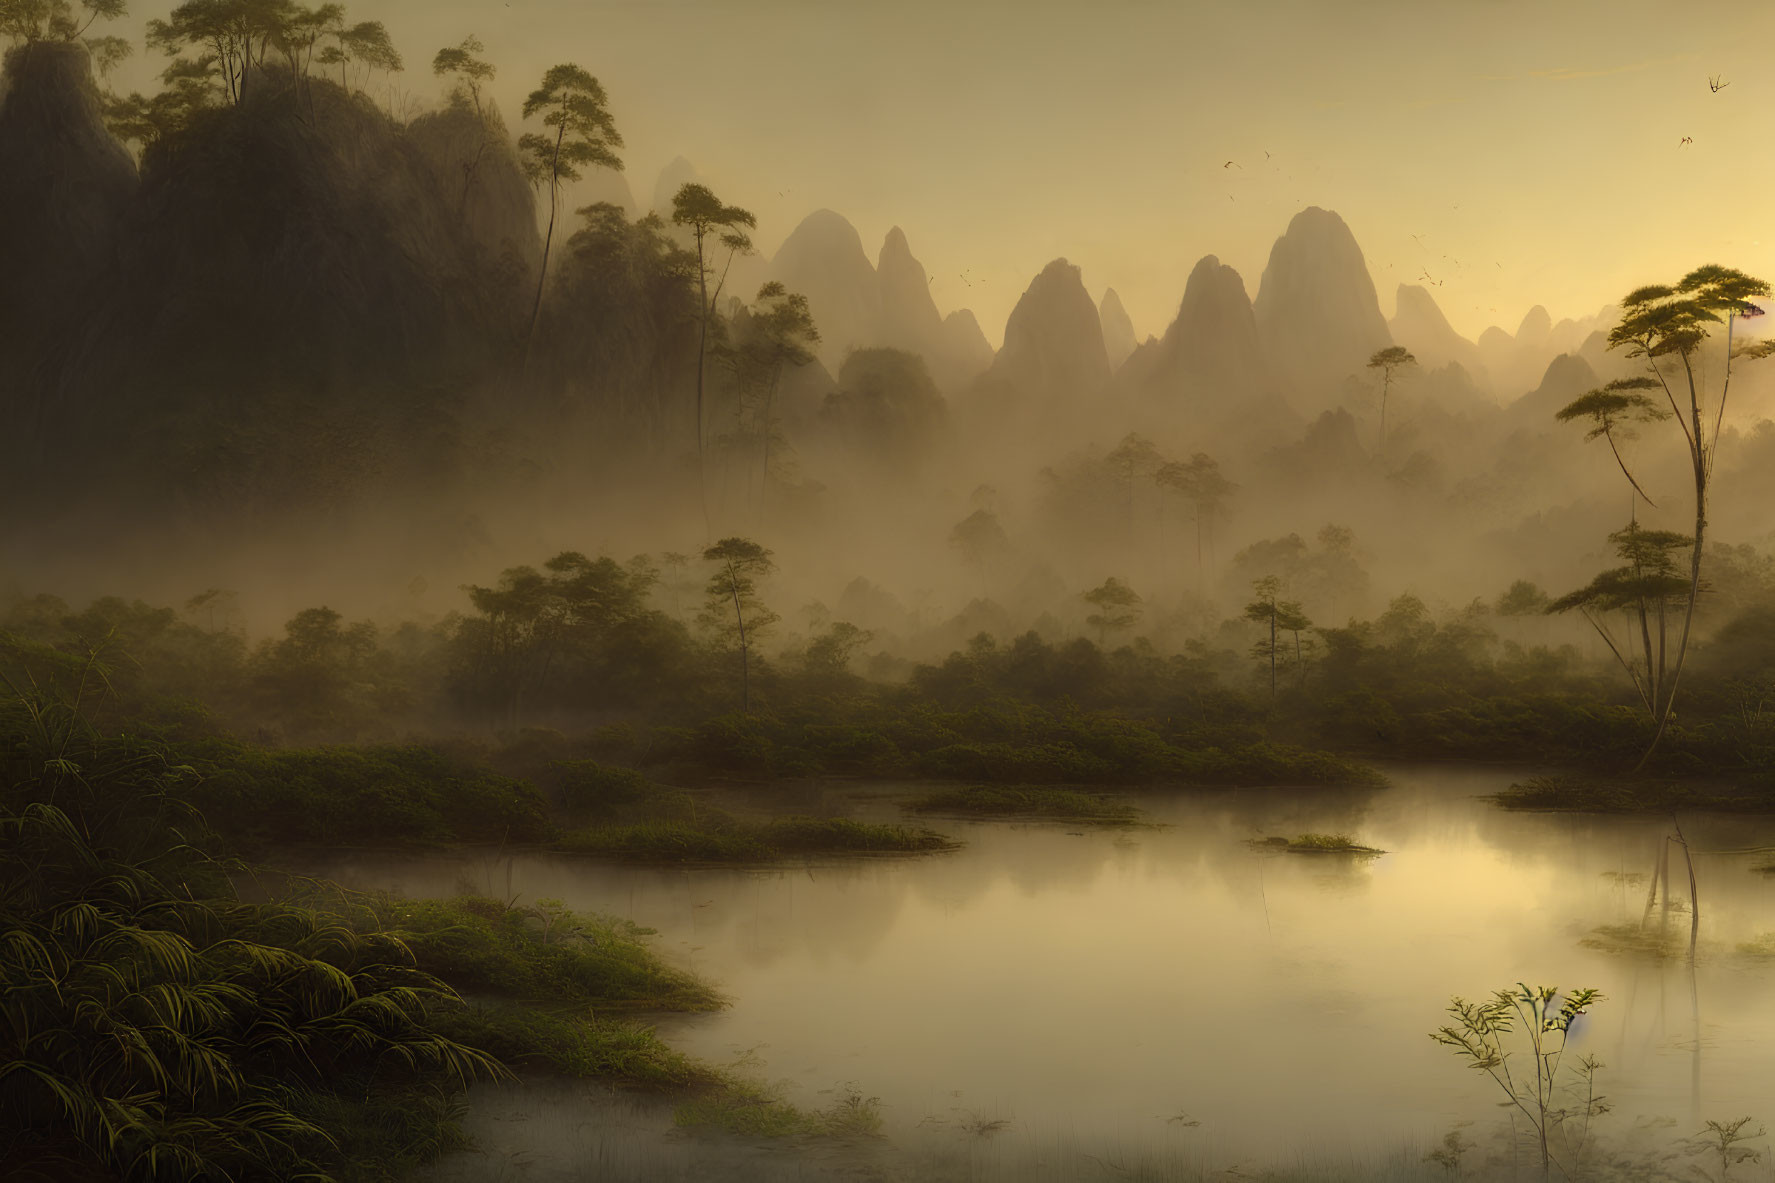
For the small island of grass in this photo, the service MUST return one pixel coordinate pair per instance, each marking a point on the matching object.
(1316, 844)
(1567, 793)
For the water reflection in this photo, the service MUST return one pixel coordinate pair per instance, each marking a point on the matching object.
(1100, 983)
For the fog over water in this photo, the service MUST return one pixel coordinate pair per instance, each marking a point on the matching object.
(1097, 985)
(735, 469)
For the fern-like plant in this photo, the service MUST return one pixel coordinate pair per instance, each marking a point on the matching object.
(1533, 1022)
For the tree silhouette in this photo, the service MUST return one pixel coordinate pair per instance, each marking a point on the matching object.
(1647, 587)
(1278, 616)
(778, 335)
(25, 22)
(54, 20)
(1522, 598)
(572, 103)
(1132, 460)
(1667, 325)
(697, 207)
(366, 43)
(1200, 482)
(732, 589)
(1118, 608)
(231, 38)
(470, 72)
(1387, 361)
(1612, 410)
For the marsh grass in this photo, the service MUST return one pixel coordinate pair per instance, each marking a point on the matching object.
(750, 1108)
(1587, 794)
(530, 1040)
(1056, 804)
(750, 842)
(487, 947)
(1636, 940)
(1724, 1141)
(1315, 844)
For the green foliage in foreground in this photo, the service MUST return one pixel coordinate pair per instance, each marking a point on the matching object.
(751, 843)
(157, 1027)
(997, 801)
(1532, 1025)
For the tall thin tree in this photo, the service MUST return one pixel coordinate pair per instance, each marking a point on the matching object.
(731, 605)
(573, 104)
(1388, 361)
(1668, 325)
(697, 207)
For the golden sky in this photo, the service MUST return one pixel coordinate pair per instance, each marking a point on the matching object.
(1534, 149)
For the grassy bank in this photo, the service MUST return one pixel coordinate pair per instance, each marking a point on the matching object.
(1577, 793)
(993, 801)
(761, 842)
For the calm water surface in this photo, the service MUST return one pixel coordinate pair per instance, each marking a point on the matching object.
(1113, 986)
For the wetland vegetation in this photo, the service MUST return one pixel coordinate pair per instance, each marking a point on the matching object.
(500, 679)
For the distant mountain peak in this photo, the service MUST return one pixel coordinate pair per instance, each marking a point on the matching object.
(1316, 309)
(1118, 327)
(1054, 351)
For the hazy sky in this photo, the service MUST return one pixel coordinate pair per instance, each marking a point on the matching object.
(1534, 147)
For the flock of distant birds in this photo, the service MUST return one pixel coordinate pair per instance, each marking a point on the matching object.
(1715, 84)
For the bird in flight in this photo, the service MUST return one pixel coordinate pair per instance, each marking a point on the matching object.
(1686, 140)
(1231, 164)
(1715, 84)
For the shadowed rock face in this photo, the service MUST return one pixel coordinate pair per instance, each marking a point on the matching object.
(293, 304)
(472, 158)
(1053, 352)
(65, 186)
(1316, 309)
(1118, 328)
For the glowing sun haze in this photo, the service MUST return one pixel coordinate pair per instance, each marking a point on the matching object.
(1534, 149)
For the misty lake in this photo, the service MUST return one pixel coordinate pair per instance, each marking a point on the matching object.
(1172, 992)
